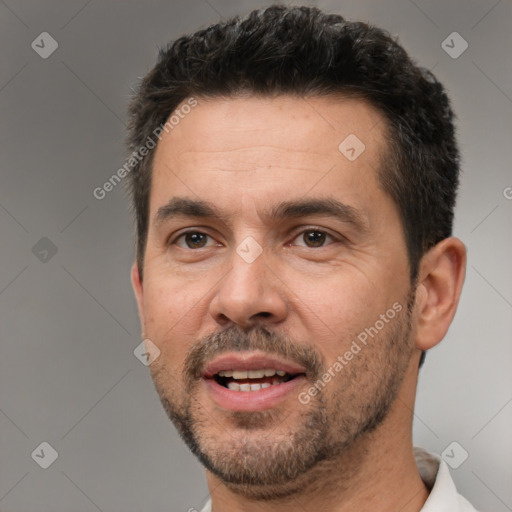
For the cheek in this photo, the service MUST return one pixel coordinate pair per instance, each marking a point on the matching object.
(172, 317)
(335, 308)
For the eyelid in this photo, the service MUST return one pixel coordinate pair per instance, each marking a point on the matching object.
(303, 229)
(175, 237)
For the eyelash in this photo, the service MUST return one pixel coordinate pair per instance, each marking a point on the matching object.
(309, 229)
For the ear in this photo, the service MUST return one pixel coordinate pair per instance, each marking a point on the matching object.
(440, 279)
(139, 292)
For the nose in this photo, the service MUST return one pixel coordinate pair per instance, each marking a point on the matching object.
(249, 293)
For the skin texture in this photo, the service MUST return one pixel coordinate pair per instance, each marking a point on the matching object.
(350, 446)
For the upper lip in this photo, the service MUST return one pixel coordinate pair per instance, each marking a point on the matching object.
(250, 361)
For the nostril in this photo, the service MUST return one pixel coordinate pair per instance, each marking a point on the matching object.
(265, 314)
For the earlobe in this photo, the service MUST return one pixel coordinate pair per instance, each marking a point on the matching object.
(441, 276)
(138, 291)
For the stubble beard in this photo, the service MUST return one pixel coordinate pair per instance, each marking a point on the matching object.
(266, 458)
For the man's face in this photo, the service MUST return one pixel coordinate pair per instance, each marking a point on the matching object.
(266, 285)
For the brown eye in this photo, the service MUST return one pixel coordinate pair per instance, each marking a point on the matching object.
(193, 240)
(313, 238)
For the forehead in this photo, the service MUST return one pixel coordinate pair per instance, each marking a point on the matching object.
(288, 122)
(285, 143)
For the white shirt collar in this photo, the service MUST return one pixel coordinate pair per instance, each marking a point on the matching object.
(443, 495)
(434, 472)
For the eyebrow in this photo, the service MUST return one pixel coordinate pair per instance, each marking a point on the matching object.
(185, 207)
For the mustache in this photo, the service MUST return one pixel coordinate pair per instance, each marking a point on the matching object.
(236, 339)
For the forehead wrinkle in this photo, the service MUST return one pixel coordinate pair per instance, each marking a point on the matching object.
(278, 158)
(298, 169)
(274, 155)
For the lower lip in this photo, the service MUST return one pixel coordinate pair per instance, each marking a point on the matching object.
(253, 400)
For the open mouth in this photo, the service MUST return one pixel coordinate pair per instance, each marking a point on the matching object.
(252, 380)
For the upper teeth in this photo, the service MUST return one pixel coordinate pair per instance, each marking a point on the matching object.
(251, 374)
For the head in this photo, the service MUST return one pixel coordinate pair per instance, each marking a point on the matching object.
(297, 213)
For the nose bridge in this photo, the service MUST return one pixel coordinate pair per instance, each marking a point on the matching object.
(249, 264)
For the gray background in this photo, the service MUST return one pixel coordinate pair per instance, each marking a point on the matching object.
(69, 326)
